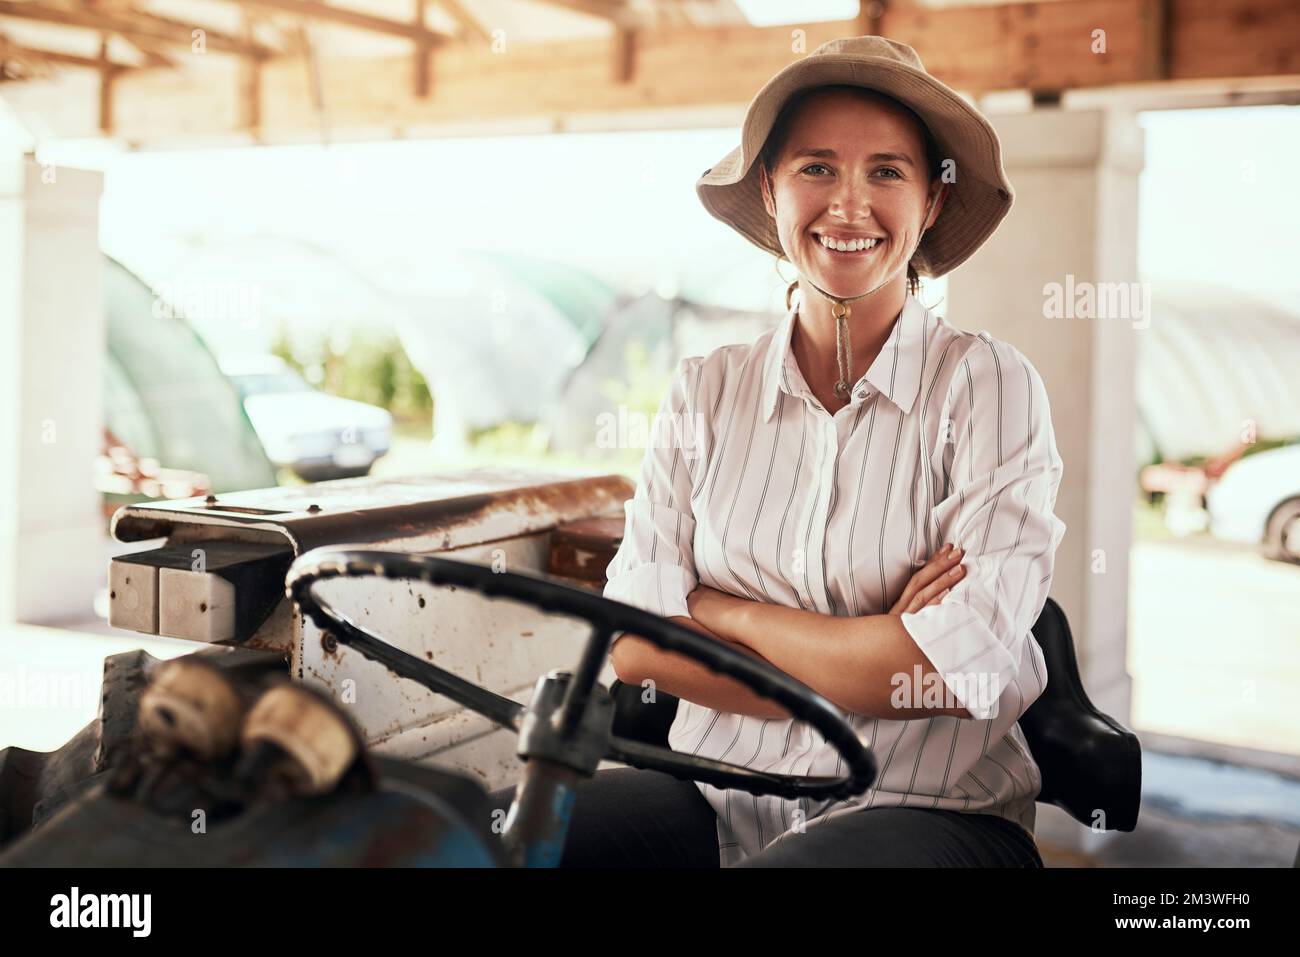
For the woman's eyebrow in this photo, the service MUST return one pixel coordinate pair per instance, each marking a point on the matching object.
(874, 157)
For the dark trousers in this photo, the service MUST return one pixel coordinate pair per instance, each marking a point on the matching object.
(625, 817)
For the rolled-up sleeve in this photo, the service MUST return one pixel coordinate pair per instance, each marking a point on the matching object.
(654, 568)
(1001, 475)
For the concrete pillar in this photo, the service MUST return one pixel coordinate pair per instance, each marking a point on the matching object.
(52, 555)
(1076, 215)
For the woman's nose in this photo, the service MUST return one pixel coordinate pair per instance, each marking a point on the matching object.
(851, 200)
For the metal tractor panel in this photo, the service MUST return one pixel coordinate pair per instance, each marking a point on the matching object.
(218, 577)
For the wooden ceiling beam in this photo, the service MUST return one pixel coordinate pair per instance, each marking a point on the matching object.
(1040, 47)
(1051, 46)
(345, 17)
(146, 27)
(465, 20)
(108, 72)
(614, 11)
(226, 42)
(1153, 47)
(154, 52)
(423, 68)
(624, 55)
(626, 23)
(21, 51)
(38, 59)
(250, 83)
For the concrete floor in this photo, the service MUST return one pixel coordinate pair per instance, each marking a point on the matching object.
(1213, 646)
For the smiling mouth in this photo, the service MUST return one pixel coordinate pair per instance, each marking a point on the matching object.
(854, 248)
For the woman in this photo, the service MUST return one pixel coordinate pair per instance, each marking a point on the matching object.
(802, 507)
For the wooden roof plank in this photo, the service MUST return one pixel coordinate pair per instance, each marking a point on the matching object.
(130, 25)
(1042, 47)
(466, 20)
(347, 17)
(612, 10)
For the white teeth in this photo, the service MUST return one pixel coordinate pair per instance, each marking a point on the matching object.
(849, 245)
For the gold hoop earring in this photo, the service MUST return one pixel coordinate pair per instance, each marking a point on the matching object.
(790, 284)
(789, 294)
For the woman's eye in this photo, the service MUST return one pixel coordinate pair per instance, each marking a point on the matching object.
(884, 169)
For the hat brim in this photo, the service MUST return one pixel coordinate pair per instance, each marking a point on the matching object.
(979, 197)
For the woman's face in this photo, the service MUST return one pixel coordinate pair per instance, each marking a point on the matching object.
(851, 169)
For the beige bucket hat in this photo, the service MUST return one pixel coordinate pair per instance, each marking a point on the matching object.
(978, 199)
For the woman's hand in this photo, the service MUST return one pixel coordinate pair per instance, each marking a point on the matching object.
(725, 614)
(931, 581)
(718, 611)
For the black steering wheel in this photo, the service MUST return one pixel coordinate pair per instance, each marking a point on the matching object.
(606, 618)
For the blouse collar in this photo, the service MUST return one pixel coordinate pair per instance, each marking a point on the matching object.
(896, 372)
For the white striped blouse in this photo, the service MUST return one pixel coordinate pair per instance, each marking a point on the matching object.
(752, 488)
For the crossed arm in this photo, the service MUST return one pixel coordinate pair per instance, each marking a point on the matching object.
(849, 661)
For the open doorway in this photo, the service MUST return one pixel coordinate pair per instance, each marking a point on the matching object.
(1214, 589)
